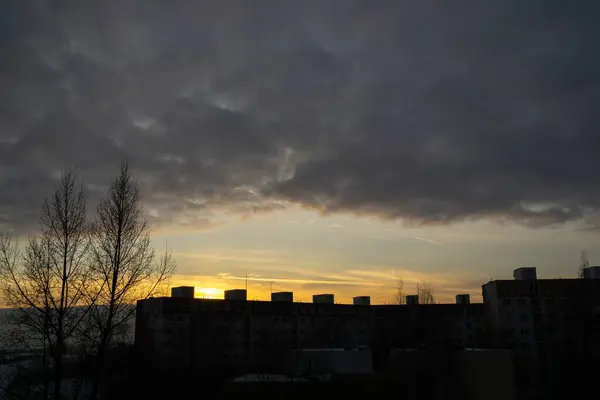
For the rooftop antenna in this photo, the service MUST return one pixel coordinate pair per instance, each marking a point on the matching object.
(246, 270)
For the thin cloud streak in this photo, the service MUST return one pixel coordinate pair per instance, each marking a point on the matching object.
(228, 276)
(214, 257)
(429, 241)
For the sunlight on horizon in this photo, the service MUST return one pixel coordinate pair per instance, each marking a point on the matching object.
(208, 293)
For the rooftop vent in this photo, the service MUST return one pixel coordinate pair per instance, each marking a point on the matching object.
(412, 299)
(282, 297)
(235, 294)
(525, 274)
(362, 300)
(591, 272)
(183, 291)
(463, 298)
(323, 298)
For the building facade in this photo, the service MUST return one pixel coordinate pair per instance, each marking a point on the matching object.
(551, 325)
(188, 333)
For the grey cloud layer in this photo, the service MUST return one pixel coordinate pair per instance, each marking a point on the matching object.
(433, 112)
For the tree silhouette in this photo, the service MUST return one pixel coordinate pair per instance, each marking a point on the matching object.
(425, 292)
(47, 283)
(400, 296)
(124, 264)
(583, 264)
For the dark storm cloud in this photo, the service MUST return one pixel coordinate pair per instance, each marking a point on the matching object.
(426, 111)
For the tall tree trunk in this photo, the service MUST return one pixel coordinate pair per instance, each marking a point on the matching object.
(58, 370)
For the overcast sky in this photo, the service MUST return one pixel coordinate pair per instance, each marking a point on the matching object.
(321, 146)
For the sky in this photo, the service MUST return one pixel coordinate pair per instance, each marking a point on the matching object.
(317, 146)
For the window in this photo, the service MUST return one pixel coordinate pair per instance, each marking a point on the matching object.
(523, 317)
(521, 302)
(506, 302)
(549, 302)
(533, 288)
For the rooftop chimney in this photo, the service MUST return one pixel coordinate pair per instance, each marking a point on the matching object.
(235, 294)
(323, 298)
(525, 274)
(463, 298)
(362, 300)
(412, 299)
(282, 297)
(183, 291)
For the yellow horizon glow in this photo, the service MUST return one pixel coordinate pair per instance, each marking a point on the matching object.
(382, 293)
(208, 293)
(308, 253)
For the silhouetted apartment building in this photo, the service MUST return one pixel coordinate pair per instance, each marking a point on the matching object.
(552, 326)
(235, 334)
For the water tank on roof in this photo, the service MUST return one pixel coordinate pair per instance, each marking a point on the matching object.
(525, 274)
(591, 272)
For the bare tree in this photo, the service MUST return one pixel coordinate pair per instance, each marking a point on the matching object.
(400, 296)
(47, 282)
(583, 264)
(124, 262)
(425, 293)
